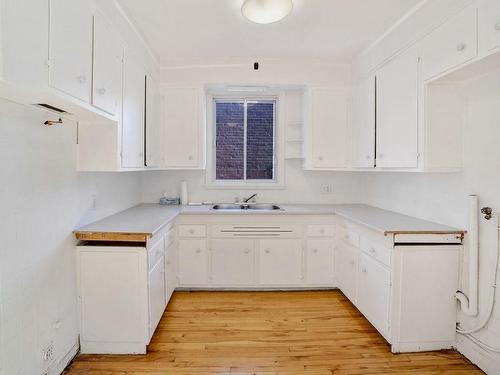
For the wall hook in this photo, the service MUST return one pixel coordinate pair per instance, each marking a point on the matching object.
(50, 122)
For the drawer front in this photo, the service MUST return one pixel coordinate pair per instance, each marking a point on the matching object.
(376, 250)
(450, 45)
(489, 25)
(256, 231)
(155, 252)
(321, 230)
(192, 231)
(348, 236)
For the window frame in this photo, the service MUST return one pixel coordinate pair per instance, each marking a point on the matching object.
(278, 181)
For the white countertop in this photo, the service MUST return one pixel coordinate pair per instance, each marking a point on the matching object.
(150, 218)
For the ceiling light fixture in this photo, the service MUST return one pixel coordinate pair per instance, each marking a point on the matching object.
(266, 11)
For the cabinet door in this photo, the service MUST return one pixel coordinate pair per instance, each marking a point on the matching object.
(107, 75)
(232, 262)
(156, 294)
(153, 125)
(329, 128)
(71, 47)
(347, 260)
(183, 109)
(397, 101)
(280, 262)
(319, 262)
(489, 25)
(374, 292)
(363, 124)
(450, 45)
(170, 271)
(133, 114)
(193, 262)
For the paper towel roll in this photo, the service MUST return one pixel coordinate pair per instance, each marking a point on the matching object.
(184, 192)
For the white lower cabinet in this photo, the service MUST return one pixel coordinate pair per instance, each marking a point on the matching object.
(157, 295)
(320, 262)
(193, 262)
(374, 282)
(232, 262)
(346, 265)
(170, 270)
(280, 262)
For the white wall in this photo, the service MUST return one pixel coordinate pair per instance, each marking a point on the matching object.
(442, 197)
(42, 199)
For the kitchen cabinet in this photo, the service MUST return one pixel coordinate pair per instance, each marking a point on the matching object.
(489, 25)
(157, 294)
(320, 262)
(397, 112)
(193, 262)
(153, 123)
(450, 45)
(70, 51)
(133, 120)
(232, 262)
(170, 270)
(374, 283)
(280, 262)
(346, 261)
(326, 135)
(183, 128)
(107, 67)
(363, 124)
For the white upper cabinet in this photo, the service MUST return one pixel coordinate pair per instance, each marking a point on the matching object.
(363, 124)
(183, 139)
(397, 110)
(327, 129)
(70, 51)
(489, 25)
(153, 123)
(107, 74)
(133, 120)
(450, 45)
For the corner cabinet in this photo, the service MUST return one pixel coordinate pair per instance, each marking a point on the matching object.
(326, 138)
(183, 128)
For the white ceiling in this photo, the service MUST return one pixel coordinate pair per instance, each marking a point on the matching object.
(214, 31)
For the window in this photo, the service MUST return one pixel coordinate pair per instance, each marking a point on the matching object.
(245, 139)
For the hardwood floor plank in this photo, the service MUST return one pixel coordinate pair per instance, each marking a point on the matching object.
(264, 333)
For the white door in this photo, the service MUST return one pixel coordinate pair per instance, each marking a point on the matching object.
(363, 124)
(153, 123)
(397, 100)
(107, 75)
(156, 294)
(232, 262)
(329, 128)
(183, 128)
(134, 86)
(280, 262)
(193, 262)
(374, 292)
(70, 50)
(320, 262)
(489, 25)
(170, 271)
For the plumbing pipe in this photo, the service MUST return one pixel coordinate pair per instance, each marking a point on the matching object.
(469, 305)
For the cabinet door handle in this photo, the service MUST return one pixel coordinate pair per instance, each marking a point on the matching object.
(368, 156)
(198, 251)
(191, 231)
(372, 250)
(320, 158)
(497, 26)
(315, 251)
(267, 251)
(461, 47)
(321, 231)
(380, 156)
(246, 251)
(363, 270)
(190, 157)
(81, 79)
(101, 91)
(351, 262)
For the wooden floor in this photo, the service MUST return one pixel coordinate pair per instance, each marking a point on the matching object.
(269, 333)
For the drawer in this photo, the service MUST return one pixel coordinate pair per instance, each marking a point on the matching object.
(450, 45)
(376, 250)
(155, 252)
(192, 231)
(348, 236)
(321, 230)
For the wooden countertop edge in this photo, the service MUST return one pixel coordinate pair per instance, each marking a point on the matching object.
(111, 236)
(389, 232)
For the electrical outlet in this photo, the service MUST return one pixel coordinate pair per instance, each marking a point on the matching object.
(326, 189)
(48, 353)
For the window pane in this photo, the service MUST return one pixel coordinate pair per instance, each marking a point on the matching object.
(260, 140)
(229, 120)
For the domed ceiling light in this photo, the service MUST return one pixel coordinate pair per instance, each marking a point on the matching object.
(266, 11)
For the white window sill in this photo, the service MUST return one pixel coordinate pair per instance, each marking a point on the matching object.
(245, 186)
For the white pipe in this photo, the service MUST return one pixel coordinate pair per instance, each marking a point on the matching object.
(469, 305)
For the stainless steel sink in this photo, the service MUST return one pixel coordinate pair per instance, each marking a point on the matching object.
(245, 207)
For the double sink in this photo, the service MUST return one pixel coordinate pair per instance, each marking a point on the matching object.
(247, 207)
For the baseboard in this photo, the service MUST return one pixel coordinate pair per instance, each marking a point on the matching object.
(485, 360)
(253, 289)
(59, 367)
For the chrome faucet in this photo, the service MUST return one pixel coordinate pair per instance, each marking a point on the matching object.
(249, 198)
